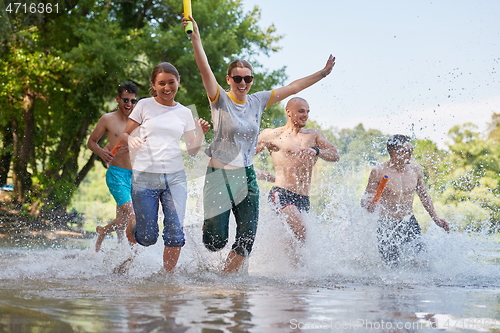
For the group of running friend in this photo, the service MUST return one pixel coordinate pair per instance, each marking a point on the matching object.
(146, 170)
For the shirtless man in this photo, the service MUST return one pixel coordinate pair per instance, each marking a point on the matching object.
(397, 225)
(294, 151)
(119, 173)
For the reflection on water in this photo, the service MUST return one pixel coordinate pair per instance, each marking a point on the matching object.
(336, 282)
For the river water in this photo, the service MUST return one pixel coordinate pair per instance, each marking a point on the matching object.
(336, 282)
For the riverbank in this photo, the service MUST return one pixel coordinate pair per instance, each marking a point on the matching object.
(15, 224)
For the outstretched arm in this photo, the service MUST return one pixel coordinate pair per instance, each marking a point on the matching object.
(426, 200)
(301, 84)
(207, 76)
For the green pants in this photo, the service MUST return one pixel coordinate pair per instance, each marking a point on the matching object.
(226, 190)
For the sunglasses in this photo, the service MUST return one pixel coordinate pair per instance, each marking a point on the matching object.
(126, 100)
(237, 78)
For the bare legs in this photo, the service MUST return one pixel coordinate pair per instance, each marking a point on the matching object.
(233, 262)
(124, 216)
(170, 257)
(294, 219)
(129, 231)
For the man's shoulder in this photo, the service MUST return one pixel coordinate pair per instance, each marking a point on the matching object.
(109, 115)
(382, 167)
(111, 119)
(416, 167)
(311, 131)
(105, 118)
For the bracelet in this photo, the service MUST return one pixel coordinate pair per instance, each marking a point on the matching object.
(323, 74)
(317, 150)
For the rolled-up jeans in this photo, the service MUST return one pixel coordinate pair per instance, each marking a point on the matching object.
(148, 191)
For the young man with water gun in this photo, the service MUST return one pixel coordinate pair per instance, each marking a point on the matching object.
(397, 226)
(119, 173)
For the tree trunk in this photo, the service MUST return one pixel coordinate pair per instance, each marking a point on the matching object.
(23, 149)
(6, 156)
(67, 179)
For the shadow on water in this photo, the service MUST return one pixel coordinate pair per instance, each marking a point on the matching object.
(335, 282)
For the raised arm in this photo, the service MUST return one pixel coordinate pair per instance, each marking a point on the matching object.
(301, 84)
(207, 76)
(426, 200)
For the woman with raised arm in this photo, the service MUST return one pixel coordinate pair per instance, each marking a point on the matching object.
(230, 182)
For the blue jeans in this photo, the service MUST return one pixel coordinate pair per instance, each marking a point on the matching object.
(150, 189)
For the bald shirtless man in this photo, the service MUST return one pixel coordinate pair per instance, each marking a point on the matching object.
(397, 226)
(294, 151)
(119, 173)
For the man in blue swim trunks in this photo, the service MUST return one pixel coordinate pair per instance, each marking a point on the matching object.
(119, 173)
(294, 151)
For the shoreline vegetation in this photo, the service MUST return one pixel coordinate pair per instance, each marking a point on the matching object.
(463, 180)
(16, 225)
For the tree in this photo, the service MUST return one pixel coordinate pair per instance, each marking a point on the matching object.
(58, 75)
(433, 161)
(472, 171)
(359, 147)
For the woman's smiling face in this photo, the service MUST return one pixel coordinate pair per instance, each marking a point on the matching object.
(166, 86)
(239, 90)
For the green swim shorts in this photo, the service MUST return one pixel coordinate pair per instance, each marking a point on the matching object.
(229, 190)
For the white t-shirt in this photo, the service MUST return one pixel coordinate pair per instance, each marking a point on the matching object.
(162, 127)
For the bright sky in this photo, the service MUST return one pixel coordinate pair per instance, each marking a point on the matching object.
(401, 64)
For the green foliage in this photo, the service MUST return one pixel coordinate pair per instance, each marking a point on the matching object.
(358, 146)
(431, 158)
(59, 74)
(469, 176)
(93, 200)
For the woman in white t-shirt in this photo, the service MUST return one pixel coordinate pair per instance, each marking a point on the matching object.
(230, 182)
(158, 170)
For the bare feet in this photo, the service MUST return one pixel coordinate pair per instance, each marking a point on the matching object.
(130, 232)
(170, 257)
(233, 262)
(101, 234)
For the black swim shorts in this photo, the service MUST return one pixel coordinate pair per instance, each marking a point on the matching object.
(282, 198)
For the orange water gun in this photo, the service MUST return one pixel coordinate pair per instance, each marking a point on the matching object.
(380, 188)
(115, 148)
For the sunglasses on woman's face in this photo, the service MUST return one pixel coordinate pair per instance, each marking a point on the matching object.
(126, 100)
(238, 78)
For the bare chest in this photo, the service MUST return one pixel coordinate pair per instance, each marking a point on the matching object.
(404, 183)
(292, 144)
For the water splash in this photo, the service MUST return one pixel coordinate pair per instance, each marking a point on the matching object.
(341, 247)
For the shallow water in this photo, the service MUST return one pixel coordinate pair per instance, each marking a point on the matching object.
(336, 282)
